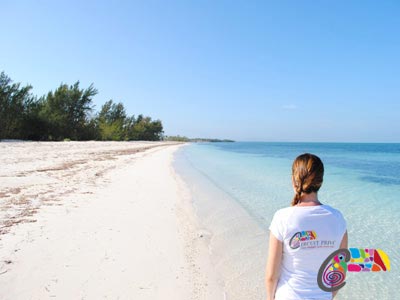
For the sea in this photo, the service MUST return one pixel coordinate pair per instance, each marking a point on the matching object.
(236, 188)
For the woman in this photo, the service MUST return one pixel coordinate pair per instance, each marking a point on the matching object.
(302, 236)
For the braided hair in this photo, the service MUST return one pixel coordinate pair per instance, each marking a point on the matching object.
(307, 173)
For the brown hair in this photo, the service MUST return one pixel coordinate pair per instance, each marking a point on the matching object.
(307, 173)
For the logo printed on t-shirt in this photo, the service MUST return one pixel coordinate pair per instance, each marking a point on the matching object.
(302, 236)
(308, 239)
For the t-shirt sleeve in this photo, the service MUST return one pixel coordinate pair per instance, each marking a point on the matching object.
(276, 226)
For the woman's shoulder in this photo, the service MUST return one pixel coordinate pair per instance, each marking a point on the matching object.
(331, 208)
(285, 211)
(334, 211)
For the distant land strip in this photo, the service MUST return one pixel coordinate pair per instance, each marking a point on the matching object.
(179, 138)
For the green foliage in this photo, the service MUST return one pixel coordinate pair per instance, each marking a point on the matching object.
(66, 114)
(116, 125)
(146, 129)
(35, 125)
(67, 111)
(14, 106)
(111, 119)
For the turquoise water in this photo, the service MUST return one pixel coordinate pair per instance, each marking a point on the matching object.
(361, 180)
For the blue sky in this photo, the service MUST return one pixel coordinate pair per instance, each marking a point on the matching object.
(245, 70)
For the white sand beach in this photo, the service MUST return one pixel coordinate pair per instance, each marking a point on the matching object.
(99, 220)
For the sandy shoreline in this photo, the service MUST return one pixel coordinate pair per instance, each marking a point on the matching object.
(238, 245)
(99, 220)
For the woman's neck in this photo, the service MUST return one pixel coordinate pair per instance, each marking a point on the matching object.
(309, 200)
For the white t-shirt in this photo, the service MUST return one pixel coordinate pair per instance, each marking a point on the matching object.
(309, 235)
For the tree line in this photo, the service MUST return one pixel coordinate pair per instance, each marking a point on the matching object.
(67, 113)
